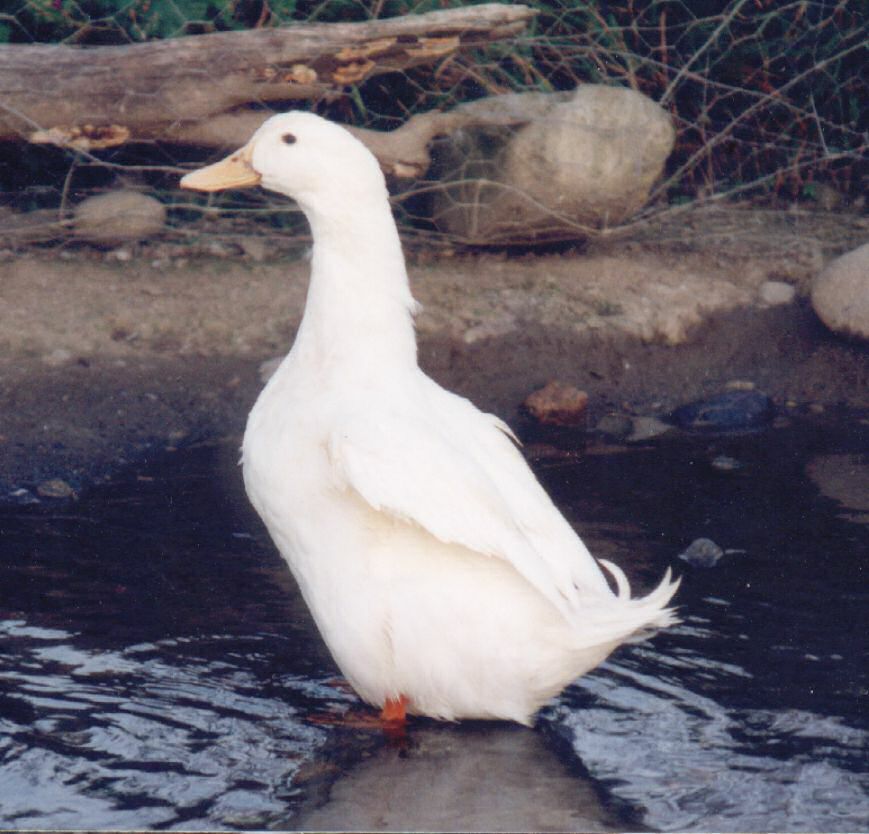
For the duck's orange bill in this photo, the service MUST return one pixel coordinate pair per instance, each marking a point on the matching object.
(235, 171)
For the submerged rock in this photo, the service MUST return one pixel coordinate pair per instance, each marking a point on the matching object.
(55, 488)
(616, 426)
(702, 553)
(647, 428)
(730, 411)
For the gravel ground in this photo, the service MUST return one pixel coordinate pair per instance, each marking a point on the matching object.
(109, 357)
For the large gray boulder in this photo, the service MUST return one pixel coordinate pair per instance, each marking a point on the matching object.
(840, 294)
(583, 161)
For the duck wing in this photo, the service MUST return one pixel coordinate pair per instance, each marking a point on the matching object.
(436, 461)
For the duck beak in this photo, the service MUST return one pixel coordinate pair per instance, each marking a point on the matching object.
(236, 171)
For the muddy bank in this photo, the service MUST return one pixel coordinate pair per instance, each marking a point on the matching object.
(109, 358)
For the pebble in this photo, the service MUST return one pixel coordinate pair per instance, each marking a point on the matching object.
(22, 496)
(57, 357)
(558, 404)
(617, 426)
(774, 293)
(646, 428)
(702, 553)
(725, 463)
(55, 488)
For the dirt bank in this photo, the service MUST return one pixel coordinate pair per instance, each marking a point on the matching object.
(108, 357)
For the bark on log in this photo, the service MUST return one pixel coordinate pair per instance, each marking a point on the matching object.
(190, 89)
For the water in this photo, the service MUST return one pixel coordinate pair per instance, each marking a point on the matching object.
(157, 669)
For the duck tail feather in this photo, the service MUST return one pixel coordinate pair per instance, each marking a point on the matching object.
(622, 585)
(624, 617)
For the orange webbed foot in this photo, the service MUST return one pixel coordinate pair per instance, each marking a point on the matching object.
(392, 719)
(395, 710)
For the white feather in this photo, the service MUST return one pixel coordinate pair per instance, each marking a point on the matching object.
(434, 563)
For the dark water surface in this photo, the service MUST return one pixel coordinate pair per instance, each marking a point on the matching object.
(158, 670)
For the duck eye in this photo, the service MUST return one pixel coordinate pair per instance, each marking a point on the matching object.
(289, 138)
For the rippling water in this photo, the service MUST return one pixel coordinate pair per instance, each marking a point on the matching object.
(751, 714)
(157, 669)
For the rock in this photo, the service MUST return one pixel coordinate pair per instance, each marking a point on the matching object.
(840, 294)
(702, 553)
(774, 293)
(740, 385)
(647, 428)
(725, 463)
(730, 411)
(557, 404)
(826, 197)
(22, 497)
(617, 426)
(493, 327)
(55, 488)
(118, 217)
(584, 161)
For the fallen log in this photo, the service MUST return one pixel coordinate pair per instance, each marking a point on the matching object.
(196, 89)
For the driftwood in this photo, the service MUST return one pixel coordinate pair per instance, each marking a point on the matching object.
(195, 89)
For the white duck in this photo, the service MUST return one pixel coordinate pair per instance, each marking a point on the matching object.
(440, 574)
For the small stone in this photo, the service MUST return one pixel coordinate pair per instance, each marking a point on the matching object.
(55, 488)
(22, 497)
(57, 357)
(774, 293)
(617, 426)
(725, 463)
(558, 404)
(118, 217)
(702, 553)
(493, 328)
(646, 428)
(840, 294)
(217, 249)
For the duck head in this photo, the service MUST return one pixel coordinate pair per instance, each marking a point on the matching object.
(316, 162)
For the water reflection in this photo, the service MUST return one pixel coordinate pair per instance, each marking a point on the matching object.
(468, 777)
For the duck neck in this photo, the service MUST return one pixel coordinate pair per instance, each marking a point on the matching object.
(359, 310)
